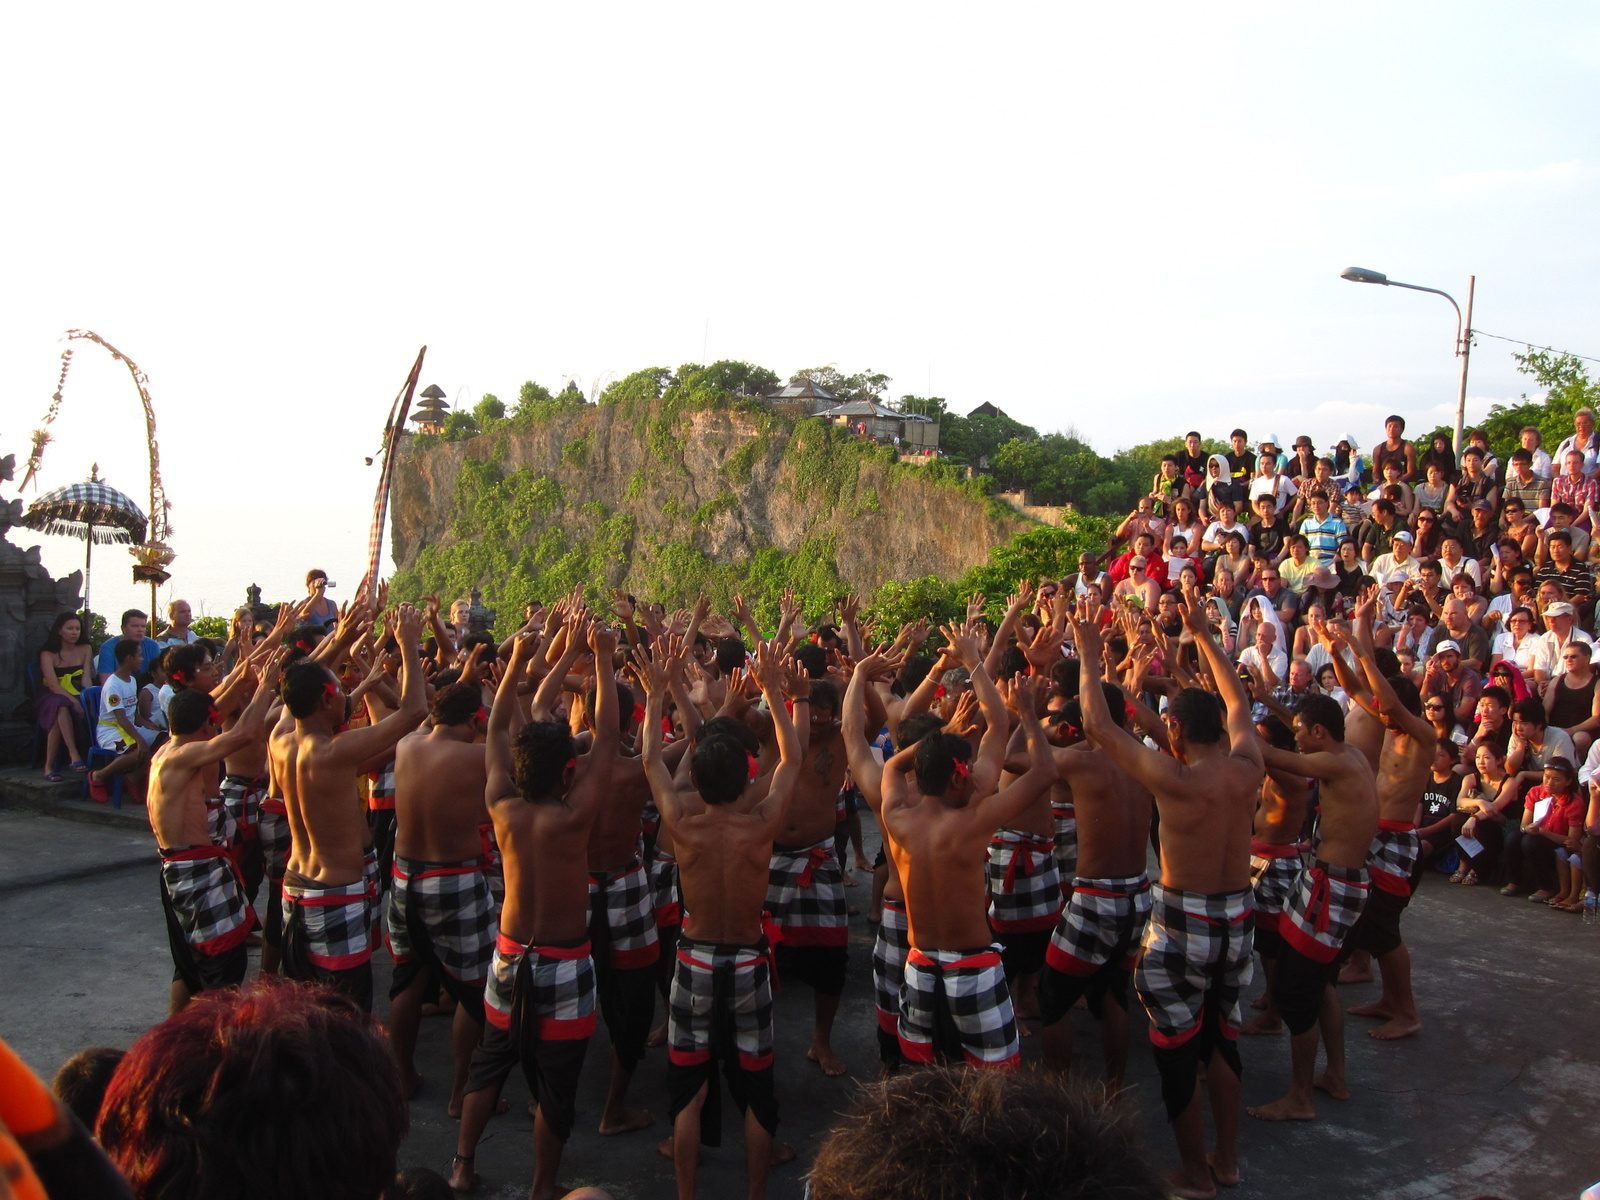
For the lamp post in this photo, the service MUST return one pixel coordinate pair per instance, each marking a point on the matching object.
(1463, 329)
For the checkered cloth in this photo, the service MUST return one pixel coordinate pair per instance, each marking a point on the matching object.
(696, 1030)
(1393, 856)
(203, 887)
(241, 797)
(973, 1016)
(1024, 882)
(1195, 948)
(622, 917)
(220, 825)
(1104, 919)
(805, 895)
(338, 921)
(665, 896)
(450, 905)
(382, 794)
(1066, 818)
(559, 997)
(1322, 908)
(273, 829)
(889, 952)
(650, 821)
(493, 871)
(1274, 871)
(369, 875)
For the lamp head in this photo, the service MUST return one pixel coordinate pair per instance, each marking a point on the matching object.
(1362, 275)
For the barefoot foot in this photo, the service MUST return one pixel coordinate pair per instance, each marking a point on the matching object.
(453, 1109)
(782, 1153)
(631, 1119)
(1376, 1009)
(658, 1036)
(462, 1177)
(1337, 1088)
(1284, 1110)
(1227, 1175)
(409, 1088)
(1181, 1183)
(1397, 1028)
(1354, 974)
(1262, 1025)
(1260, 1001)
(825, 1058)
(664, 1148)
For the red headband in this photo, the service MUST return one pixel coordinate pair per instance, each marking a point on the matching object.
(960, 770)
(755, 765)
(938, 692)
(214, 716)
(638, 714)
(330, 687)
(572, 764)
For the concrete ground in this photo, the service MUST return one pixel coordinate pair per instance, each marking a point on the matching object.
(1491, 1098)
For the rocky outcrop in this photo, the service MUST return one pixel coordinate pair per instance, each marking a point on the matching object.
(727, 480)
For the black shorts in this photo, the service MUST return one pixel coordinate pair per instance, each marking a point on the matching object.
(1377, 929)
(1058, 991)
(821, 968)
(1022, 953)
(1298, 986)
(551, 1067)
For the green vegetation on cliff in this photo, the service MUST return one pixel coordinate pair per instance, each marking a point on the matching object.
(678, 483)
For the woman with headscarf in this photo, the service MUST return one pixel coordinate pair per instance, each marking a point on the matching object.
(1348, 465)
(1218, 485)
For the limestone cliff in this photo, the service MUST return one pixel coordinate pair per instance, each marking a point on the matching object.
(667, 498)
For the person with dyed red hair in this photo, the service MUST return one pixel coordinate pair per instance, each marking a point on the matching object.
(286, 1090)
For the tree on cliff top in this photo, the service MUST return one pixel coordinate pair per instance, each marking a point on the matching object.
(863, 385)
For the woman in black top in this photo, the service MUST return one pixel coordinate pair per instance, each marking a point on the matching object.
(1569, 701)
(1440, 452)
(1436, 827)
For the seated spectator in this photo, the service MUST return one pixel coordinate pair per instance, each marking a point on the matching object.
(66, 667)
(1217, 489)
(1561, 627)
(1570, 702)
(1471, 486)
(1296, 567)
(1393, 487)
(1302, 464)
(133, 627)
(1328, 684)
(1280, 489)
(206, 1103)
(1235, 558)
(1269, 530)
(1440, 456)
(1533, 744)
(1532, 441)
(1481, 813)
(1185, 523)
(1553, 817)
(1143, 519)
(1178, 556)
(1524, 484)
(980, 1135)
(1348, 463)
(1377, 537)
(1453, 561)
(1264, 654)
(1509, 679)
(1089, 573)
(1520, 645)
(1416, 634)
(1393, 569)
(1144, 546)
(1269, 584)
(1508, 590)
(1446, 677)
(1465, 588)
(1465, 634)
(1138, 587)
(1576, 484)
(1479, 535)
(1491, 464)
(1429, 529)
(1562, 518)
(1492, 720)
(1430, 494)
(1436, 822)
(1212, 541)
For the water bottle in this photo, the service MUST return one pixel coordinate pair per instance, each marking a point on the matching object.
(1590, 916)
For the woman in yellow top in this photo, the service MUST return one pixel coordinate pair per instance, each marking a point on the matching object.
(66, 667)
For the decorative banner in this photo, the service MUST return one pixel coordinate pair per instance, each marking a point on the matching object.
(380, 505)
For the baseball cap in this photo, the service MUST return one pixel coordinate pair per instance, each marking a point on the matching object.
(1404, 536)
(1484, 505)
(1561, 609)
(1447, 644)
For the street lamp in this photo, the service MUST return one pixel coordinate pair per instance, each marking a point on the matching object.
(1463, 328)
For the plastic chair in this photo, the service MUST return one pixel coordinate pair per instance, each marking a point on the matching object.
(91, 710)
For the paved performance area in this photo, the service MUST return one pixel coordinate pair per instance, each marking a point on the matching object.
(1494, 1097)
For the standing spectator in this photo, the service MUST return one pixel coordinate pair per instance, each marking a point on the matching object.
(323, 611)
(1241, 466)
(1532, 441)
(1394, 448)
(1582, 440)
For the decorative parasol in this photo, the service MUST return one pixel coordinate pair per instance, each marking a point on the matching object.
(90, 510)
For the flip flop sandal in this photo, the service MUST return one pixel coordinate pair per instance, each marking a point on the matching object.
(1458, 876)
(80, 766)
(1470, 880)
(53, 777)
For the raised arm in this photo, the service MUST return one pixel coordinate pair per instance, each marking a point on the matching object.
(505, 719)
(997, 720)
(858, 697)
(251, 723)
(1242, 741)
(1005, 805)
(549, 691)
(852, 626)
(770, 673)
(1149, 767)
(360, 744)
(1021, 600)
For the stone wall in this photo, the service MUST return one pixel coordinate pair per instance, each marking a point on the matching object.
(29, 602)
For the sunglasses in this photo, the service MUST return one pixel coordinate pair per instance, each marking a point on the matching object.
(1433, 708)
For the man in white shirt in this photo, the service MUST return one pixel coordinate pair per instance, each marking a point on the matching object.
(1543, 465)
(1399, 565)
(1269, 483)
(1562, 620)
(1583, 441)
(178, 632)
(1266, 655)
(1211, 540)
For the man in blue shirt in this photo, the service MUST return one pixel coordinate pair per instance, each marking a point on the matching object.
(133, 629)
(1323, 531)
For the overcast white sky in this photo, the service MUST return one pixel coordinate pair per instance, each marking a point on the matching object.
(1129, 219)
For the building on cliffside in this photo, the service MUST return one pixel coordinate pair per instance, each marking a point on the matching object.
(884, 424)
(811, 397)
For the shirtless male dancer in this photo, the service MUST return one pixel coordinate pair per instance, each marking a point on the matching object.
(1325, 903)
(721, 1005)
(864, 710)
(805, 895)
(440, 918)
(330, 887)
(1404, 766)
(1275, 862)
(1097, 939)
(954, 1003)
(1197, 945)
(202, 895)
(539, 1005)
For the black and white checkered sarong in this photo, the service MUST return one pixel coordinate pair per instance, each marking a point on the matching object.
(449, 904)
(889, 952)
(1322, 909)
(1024, 881)
(628, 927)
(956, 1003)
(203, 889)
(1103, 920)
(1195, 948)
(805, 895)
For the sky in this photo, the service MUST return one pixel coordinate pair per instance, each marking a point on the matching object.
(1127, 220)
